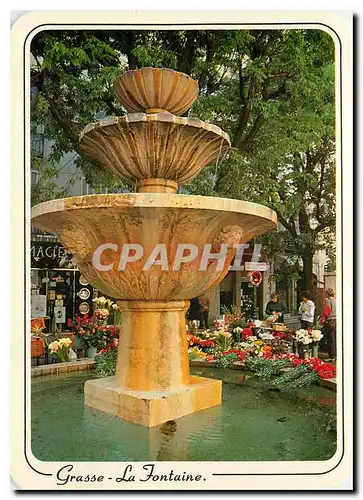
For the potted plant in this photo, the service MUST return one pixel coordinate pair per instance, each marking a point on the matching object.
(60, 349)
(316, 336)
(94, 333)
(303, 340)
(111, 307)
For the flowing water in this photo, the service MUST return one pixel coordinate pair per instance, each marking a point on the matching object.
(253, 423)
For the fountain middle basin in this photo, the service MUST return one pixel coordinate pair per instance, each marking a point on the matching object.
(152, 382)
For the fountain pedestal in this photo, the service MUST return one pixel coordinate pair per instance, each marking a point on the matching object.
(151, 408)
(152, 382)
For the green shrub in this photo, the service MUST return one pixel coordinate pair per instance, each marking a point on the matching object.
(265, 368)
(299, 376)
(227, 360)
(105, 363)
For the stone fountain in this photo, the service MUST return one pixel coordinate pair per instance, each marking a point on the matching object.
(157, 150)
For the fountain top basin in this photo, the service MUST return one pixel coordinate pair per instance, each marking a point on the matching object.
(149, 219)
(156, 89)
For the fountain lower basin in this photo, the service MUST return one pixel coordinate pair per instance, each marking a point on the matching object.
(153, 382)
(147, 219)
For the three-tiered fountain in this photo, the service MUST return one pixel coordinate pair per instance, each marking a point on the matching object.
(156, 149)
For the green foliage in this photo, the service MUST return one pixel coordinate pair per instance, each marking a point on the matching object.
(105, 363)
(299, 376)
(265, 368)
(44, 187)
(227, 360)
(295, 377)
(222, 340)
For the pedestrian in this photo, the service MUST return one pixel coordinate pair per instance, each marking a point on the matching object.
(204, 303)
(307, 311)
(329, 322)
(276, 307)
(195, 310)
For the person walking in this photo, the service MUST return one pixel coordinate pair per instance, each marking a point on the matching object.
(195, 310)
(307, 311)
(204, 304)
(329, 322)
(276, 307)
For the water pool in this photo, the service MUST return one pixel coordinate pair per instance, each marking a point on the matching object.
(253, 423)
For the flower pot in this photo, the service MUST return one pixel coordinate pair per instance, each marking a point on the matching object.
(78, 342)
(91, 352)
(307, 353)
(315, 350)
(295, 347)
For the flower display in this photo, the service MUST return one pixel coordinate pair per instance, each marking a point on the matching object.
(37, 326)
(103, 303)
(219, 323)
(206, 343)
(192, 339)
(308, 336)
(233, 320)
(60, 348)
(247, 333)
(220, 345)
(101, 314)
(266, 336)
(316, 335)
(279, 335)
(303, 337)
(196, 353)
(238, 352)
(93, 331)
(222, 338)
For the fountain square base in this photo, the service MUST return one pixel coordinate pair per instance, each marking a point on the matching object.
(151, 408)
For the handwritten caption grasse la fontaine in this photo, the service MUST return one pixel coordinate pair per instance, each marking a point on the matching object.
(67, 475)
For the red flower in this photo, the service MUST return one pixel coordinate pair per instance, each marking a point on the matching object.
(193, 340)
(210, 358)
(239, 353)
(326, 370)
(206, 343)
(69, 322)
(279, 335)
(246, 333)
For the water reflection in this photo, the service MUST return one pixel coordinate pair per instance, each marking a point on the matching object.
(251, 424)
(175, 439)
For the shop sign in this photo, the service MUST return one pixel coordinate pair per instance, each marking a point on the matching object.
(256, 278)
(38, 306)
(256, 266)
(60, 314)
(48, 255)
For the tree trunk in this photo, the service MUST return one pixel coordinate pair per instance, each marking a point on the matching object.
(307, 259)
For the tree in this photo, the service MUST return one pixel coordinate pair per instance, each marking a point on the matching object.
(271, 90)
